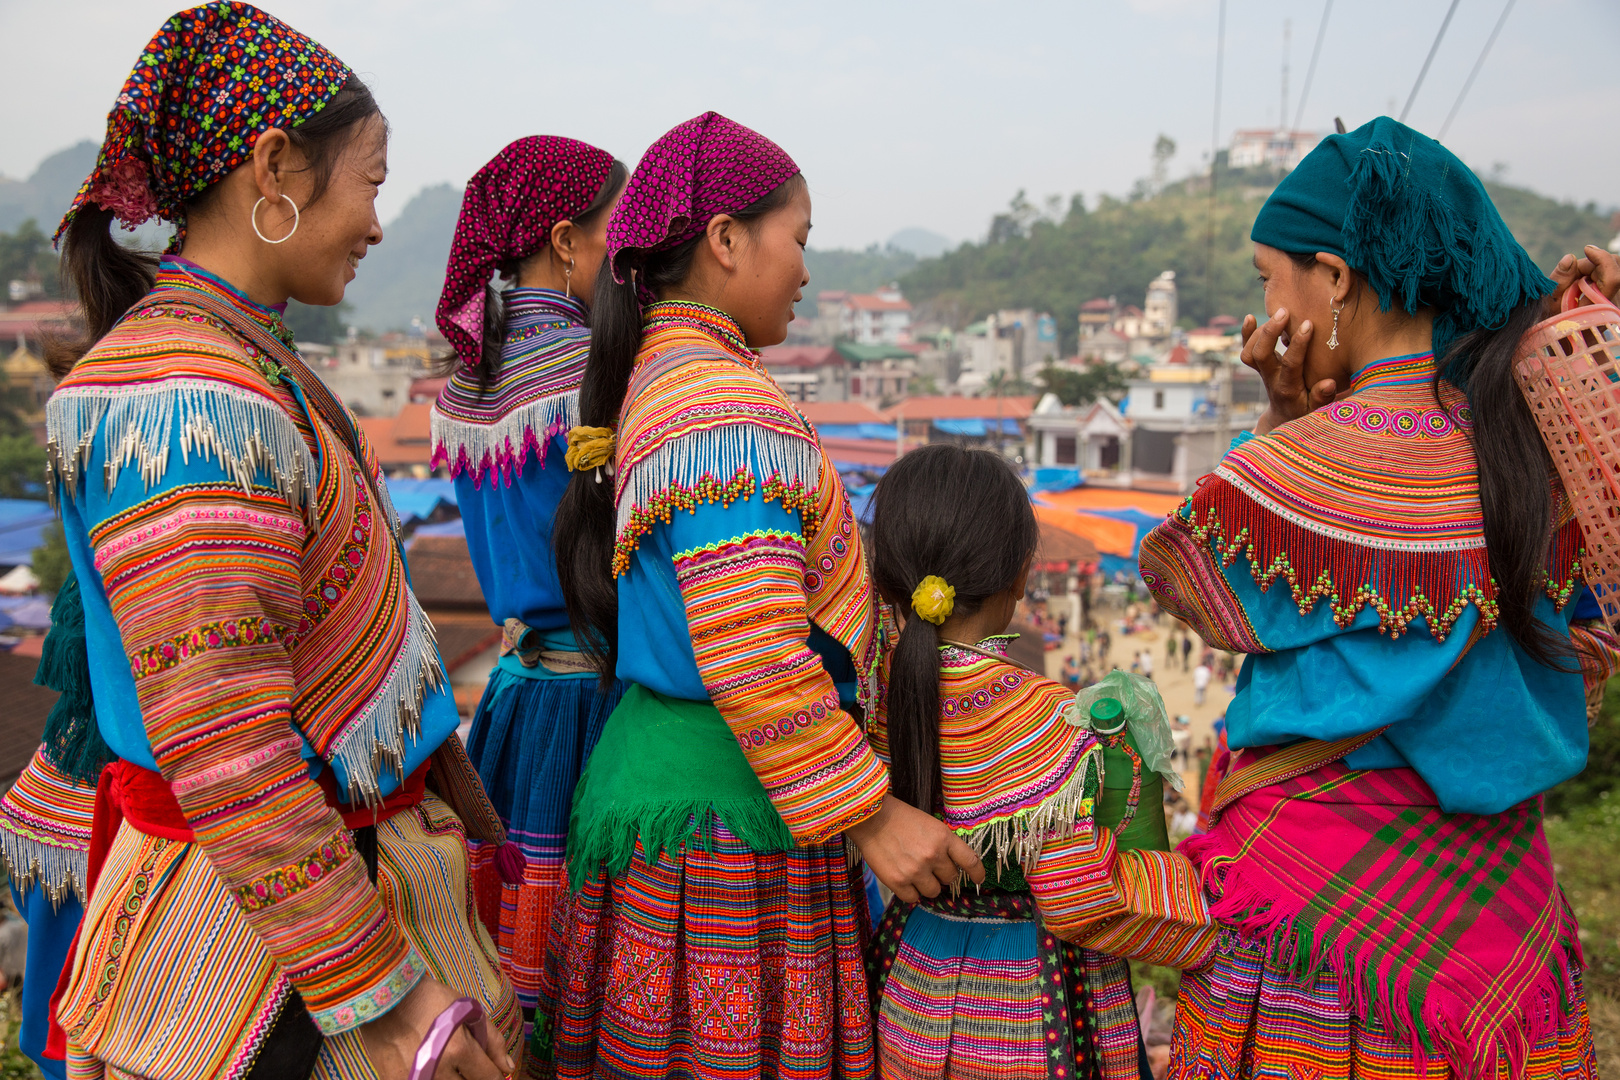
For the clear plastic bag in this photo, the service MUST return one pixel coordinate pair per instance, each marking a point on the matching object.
(1145, 714)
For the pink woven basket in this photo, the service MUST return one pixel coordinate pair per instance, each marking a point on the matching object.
(1569, 370)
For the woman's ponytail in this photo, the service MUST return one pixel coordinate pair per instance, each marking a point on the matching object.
(1515, 480)
(106, 277)
(913, 716)
(584, 531)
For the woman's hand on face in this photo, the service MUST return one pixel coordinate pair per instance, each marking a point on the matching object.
(912, 853)
(1596, 263)
(391, 1040)
(1284, 375)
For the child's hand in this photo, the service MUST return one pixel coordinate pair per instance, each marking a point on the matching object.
(913, 854)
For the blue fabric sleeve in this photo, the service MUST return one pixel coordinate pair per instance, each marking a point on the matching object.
(50, 938)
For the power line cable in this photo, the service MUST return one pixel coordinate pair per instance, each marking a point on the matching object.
(1452, 10)
(1310, 72)
(1214, 150)
(1469, 85)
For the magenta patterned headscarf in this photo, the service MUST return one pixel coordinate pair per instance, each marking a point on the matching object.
(507, 213)
(709, 165)
(209, 83)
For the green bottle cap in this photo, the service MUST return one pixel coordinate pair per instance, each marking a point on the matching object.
(1107, 716)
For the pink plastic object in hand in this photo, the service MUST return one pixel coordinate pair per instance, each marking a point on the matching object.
(462, 1012)
(1569, 370)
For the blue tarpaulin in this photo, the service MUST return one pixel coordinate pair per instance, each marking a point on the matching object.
(416, 500)
(976, 428)
(453, 527)
(1056, 479)
(26, 612)
(884, 432)
(22, 526)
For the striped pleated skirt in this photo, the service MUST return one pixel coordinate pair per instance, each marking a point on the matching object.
(171, 983)
(529, 741)
(973, 987)
(709, 964)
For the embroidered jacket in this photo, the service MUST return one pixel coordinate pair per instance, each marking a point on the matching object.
(1019, 786)
(246, 609)
(1345, 553)
(738, 559)
(504, 447)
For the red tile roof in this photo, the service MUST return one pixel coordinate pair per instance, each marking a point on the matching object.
(801, 356)
(403, 440)
(841, 412)
(27, 706)
(868, 302)
(961, 408)
(860, 451)
(1097, 305)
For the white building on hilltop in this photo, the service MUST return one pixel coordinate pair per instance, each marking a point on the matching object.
(1277, 148)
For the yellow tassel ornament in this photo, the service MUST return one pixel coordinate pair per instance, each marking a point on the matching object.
(590, 448)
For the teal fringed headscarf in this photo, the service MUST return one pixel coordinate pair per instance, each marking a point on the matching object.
(1406, 212)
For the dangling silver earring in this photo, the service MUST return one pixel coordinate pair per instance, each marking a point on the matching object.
(253, 216)
(1333, 338)
(568, 279)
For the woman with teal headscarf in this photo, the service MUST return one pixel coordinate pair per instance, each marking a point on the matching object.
(1394, 554)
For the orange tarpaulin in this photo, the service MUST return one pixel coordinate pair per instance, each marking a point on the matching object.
(1110, 536)
(1090, 498)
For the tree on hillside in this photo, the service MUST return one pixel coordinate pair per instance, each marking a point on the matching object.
(1118, 246)
(1076, 388)
(318, 325)
(26, 255)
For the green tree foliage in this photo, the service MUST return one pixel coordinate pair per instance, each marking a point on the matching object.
(22, 467)
(851, 271)
(25, 255)
(1602, 772)
(1075, 388)
(50, 560)
(317, 325)
(1051, 261)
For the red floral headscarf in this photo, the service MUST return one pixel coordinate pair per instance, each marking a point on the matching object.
(507, 213)
(212, 79)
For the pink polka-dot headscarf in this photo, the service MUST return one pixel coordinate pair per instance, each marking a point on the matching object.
(709, 165)
(507, 213)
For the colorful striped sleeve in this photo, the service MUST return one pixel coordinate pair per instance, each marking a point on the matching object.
(202, 574)
(741, 571)
(1166, 918)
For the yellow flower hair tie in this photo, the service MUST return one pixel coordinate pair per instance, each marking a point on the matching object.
(590, 448)
(933, 600)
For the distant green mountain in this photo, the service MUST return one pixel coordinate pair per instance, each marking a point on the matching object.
(45, 195)
(841, 270)
(400, 278)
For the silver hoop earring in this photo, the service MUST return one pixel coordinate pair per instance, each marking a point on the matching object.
(1333, 338)
(568, 279)
(254, 218)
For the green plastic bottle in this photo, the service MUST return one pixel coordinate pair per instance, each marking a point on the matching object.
(1147, 830)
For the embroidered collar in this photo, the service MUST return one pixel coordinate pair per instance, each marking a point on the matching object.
(173, 270)
(534, 309)
(709, 321)
(954, 655)
(1413, 368)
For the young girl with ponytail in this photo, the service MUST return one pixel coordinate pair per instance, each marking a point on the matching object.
(537, 213)
(710, 559)
(1022, 978)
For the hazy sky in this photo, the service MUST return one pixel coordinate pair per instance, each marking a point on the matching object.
(929, 114)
